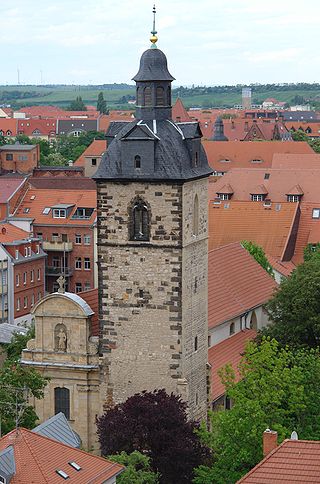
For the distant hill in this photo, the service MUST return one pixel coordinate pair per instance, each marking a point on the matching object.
(118, 95)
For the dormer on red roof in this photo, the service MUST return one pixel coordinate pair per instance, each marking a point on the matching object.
(259, 190)
(295, 190)
(28, 457)
(226, 189)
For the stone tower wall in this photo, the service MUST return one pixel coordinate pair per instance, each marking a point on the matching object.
(149, 311)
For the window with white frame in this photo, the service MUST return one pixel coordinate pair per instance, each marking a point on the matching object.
(78, 263)
(316, 213)
(26, 251)
(24, 278)
(78, 238)
(32, 299)
(17, 254)
(25, 302)
(59, 213)
(38, 249)
(78, 287)
(18, 304)
(29, 251)
(224, 196)
(17, 280)
(293, 198)
(87, 286)
(87, 263)
(87, 239)
(39, 274)
(32, 275)
(257, 197)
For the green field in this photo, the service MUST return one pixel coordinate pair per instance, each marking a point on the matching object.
(63, 95)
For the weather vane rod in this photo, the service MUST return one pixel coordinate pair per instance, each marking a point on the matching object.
(154, 37)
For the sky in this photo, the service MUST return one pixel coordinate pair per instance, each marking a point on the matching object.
(207, 42)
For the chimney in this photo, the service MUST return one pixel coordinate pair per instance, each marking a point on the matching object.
(270, 441)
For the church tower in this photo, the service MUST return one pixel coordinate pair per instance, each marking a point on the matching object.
(152, 187)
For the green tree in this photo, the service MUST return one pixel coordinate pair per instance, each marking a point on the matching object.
(138, 469)
(258, 254)
(295, 308)
(54, 159)
(101, 104)
(17, 384)
(299, 135)
(77, 105)
(297, 99)
(279, 389)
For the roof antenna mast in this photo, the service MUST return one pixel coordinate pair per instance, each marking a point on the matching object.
(154, 37)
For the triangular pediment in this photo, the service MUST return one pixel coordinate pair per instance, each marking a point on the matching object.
(139, 132)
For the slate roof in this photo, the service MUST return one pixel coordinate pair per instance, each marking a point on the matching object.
(293, 461)
(234, 221)
(7, 463)
(38, 458)
(172, 159)
(17, 147)
(153, 67)
(7, 330)
(236, 283)
(230, 351)
(58, 428)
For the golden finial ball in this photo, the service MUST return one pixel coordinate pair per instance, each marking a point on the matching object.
(153, 39)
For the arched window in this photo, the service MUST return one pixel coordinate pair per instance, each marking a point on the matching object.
(169, 96)
(147, 96)
(9, 133)
(232, 329)
(62, 401)
(139, 96)
(137, 161)
(196, 159)
(160, 96)
(253, 321)
(139, 221)
(195, 228)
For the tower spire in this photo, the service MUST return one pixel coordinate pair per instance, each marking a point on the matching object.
(154, 37)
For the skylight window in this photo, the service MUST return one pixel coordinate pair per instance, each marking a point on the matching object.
(62, 474)
(32, 197)
(316, 213)
(46, 210)
(75, 465)
(26, 210)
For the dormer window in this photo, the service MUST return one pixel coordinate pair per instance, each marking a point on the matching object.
(256, 160)
(224, 196)
(59, 213)
(139, 221)
(257, 197)
(137, 161)
(293, 198)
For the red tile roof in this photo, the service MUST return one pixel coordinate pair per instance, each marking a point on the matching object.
(8, 186)
(55, 112)
(236, 283)
(91, 298)
(37, 459)
(96, 148)
(241, 153)
(179, 112)
(10, 233)
(292, 462)
(284, 160)
(278, 184)
(49, 198)
(283, 267)
(228, 351)
(268, 227)
(37, 127)
(308, 232)
(8, 124)
(303, 125)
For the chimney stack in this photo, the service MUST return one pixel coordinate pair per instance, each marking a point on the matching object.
(270, 441)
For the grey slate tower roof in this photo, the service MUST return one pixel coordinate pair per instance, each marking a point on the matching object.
(59, 429)
(218, 130)
(7, 463)
(153, 147)
(153, 67)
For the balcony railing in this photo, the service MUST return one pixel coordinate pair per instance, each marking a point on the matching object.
(57, 245)
(59, 271)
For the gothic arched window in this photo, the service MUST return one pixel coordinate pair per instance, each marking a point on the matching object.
(160, 96)
(147, 96)
(139, 221)
(195, 228)
(62, 401)
(139, 96)
(137, 161)
(169, 96)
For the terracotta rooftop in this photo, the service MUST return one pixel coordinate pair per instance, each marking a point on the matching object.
(236, 283)
(278, 183)
(312, 127)
(309, 231)
(241, 153)
(37, 460)
(302, 160)
(234, 221)
(292, 462)
(32, 127)
(36, 200)
(229, 350)
(63, 183)
(96, 148)
(91, 298)
(179, 112)
(56, 112)
(285, 268)
(8, 124)
(8, 186)
(10, 233)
